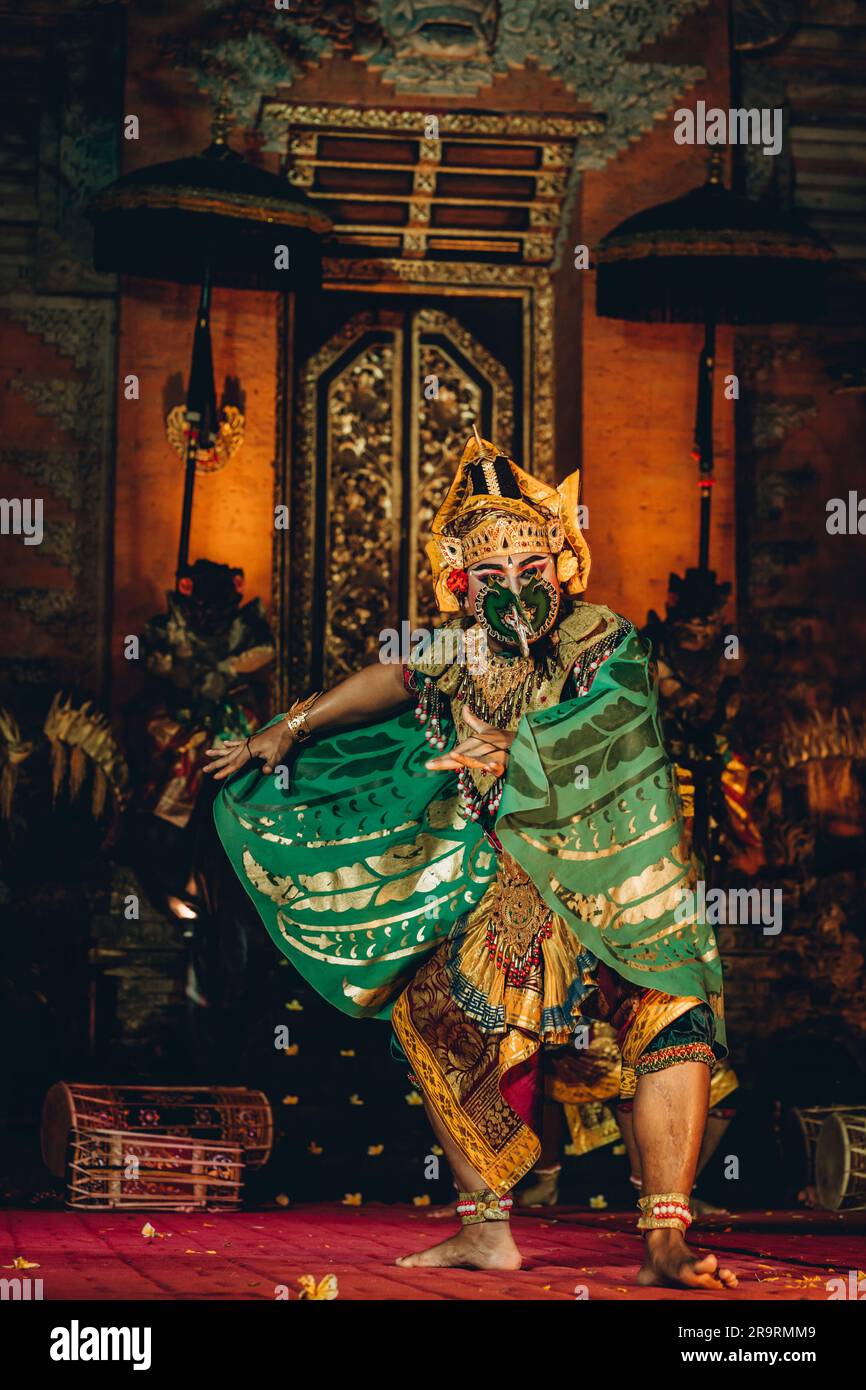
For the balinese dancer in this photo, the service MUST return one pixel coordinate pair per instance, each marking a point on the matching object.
(530, 876)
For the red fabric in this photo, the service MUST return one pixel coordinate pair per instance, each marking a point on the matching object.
(522, 1089)
(247, 1255)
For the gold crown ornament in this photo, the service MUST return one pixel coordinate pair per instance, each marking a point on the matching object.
(529, 515)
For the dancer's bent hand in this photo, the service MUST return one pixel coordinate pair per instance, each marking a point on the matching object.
(270, 745)
(487, 750)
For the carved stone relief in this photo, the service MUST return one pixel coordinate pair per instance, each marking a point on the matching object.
(456, 50)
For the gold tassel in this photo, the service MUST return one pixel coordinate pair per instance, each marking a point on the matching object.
(58, 769)
(13, 752)
(77, 771)
(100, 788)
(7, 790)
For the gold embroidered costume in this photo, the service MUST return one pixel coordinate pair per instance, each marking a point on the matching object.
(488, 915)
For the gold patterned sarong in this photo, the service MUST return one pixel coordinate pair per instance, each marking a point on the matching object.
(511, 978)
(472, 1021)
(460, 1069)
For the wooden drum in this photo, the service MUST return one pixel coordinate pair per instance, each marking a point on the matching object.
(218, 1114)
(840, 1161)
(807, 1122)
(120, 1171)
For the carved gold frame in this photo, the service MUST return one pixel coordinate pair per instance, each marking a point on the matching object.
(529, 284)
(502, 423)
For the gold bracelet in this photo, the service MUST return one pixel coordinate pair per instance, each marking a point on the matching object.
(483, 1205)
(662, 1209)
(296, 718)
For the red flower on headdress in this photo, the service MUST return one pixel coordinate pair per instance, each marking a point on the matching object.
(457, 581)
(184, 586)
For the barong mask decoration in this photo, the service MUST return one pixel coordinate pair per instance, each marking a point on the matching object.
(509, 544)
(515, 598)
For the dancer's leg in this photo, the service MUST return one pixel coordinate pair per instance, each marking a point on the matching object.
(484, 1245)
(670, 1114)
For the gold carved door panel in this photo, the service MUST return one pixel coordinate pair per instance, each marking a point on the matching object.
(383, 408)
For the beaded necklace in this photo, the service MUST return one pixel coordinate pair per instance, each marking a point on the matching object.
(432, 711)
(589, 661)
(501, 692)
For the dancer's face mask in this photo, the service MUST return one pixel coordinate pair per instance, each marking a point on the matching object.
(515, 597)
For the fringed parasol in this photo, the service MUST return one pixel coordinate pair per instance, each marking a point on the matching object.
(211, 219)
(711, 257)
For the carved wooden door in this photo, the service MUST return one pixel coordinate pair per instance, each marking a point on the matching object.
(385, 399)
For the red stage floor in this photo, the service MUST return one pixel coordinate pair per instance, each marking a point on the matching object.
(97, 1255)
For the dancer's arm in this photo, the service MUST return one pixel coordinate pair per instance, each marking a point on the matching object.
(370, 694)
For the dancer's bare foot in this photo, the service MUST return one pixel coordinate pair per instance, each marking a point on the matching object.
(543, 1192)
(486, 1245)
(670, 1262)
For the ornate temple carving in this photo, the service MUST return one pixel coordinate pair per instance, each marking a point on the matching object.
(457, 184)
(370, 475)
(458, 50)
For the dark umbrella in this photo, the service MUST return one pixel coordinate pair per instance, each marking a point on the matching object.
(711, 257)
(211, 219)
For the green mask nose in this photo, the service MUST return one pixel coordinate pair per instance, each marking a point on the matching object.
(518, 615)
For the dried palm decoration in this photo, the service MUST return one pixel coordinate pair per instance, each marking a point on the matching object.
(14, 750)
(826, 748)
(817, 737)
(82, 736)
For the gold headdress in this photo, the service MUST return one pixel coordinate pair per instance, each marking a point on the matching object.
(532, 516)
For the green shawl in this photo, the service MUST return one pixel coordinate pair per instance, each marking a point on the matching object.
(360, 868)
(591, 812)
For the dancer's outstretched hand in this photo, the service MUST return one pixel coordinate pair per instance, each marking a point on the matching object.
(487, 750)
(270, 745)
